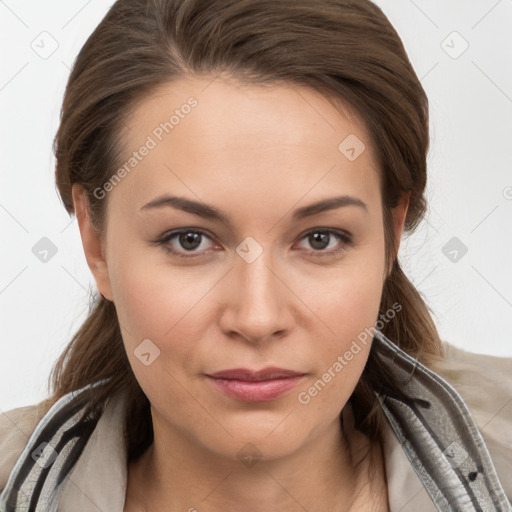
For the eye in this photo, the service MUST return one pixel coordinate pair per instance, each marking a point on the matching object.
(188, 241)
(320, 239)
(192, 241)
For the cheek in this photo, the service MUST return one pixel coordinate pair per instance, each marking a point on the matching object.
(349, 307)
(349, 315)
(156, 299)
(348, 300)
(349, 312)
(163, 304)
(159, 304)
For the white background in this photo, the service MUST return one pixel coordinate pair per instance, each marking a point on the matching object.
(470, 179)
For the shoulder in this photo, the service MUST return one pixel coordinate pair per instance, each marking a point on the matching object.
(485, 384)
(484, 381)
(16, 426)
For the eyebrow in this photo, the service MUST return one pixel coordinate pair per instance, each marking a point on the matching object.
(210, 212)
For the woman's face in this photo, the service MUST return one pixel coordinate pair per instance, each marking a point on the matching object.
(263, 278)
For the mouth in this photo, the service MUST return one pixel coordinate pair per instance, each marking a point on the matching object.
(255, 385)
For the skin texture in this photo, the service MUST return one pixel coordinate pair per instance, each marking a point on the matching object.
(256, 153)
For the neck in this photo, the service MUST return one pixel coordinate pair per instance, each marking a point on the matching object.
(177, 474)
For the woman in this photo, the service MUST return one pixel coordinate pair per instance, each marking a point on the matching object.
(242, 173)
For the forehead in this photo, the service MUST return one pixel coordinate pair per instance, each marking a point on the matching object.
(207, 135)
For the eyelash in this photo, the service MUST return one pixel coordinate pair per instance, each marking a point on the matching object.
(344, 236)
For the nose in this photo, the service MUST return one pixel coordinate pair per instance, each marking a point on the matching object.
(257, 302)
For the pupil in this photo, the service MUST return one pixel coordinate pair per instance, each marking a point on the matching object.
(190, 240)
(322, 239)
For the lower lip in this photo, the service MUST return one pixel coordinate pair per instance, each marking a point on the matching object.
(256, 391)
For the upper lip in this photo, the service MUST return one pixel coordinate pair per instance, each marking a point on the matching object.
(268, 373)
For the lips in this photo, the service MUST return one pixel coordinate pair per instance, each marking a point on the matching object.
(255, 385)
(268, 373)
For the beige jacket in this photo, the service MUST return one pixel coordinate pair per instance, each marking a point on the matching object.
(98, 482)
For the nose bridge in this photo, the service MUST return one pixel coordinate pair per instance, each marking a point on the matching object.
(256, 296)
(257, 281)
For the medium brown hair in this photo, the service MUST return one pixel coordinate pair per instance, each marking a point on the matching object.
(346, 50)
